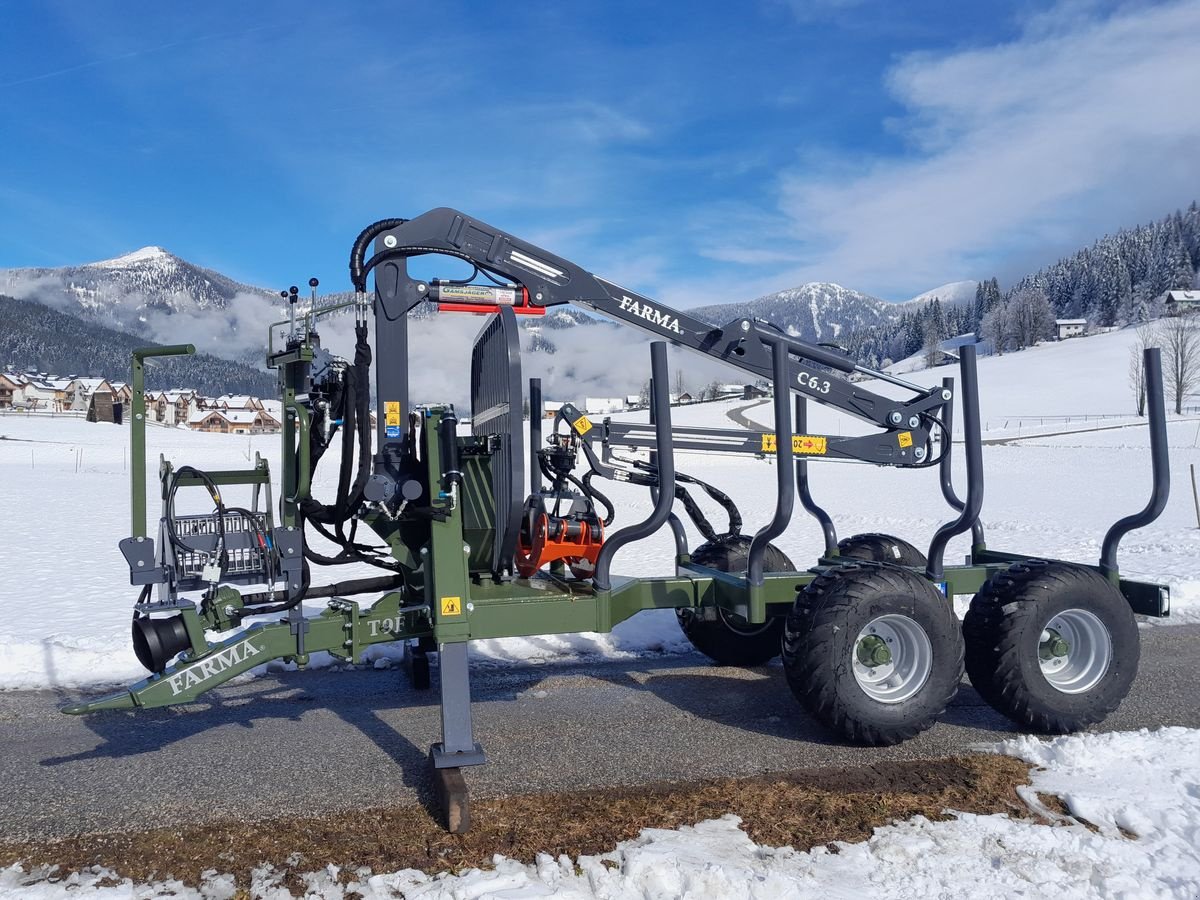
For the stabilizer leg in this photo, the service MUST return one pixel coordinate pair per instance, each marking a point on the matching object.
(458, 747)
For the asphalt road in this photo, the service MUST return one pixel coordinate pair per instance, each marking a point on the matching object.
(317, 742)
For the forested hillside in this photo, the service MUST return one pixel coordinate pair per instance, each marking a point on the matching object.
(36, 336)
(1119, 280)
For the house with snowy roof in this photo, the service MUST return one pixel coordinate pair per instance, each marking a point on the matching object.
(1177, 303)
(42, 395)
(233, 421)
(12, 390)
(80, 391)
(238, 401)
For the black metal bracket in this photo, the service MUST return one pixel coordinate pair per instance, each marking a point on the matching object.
(785, 474)
(805, 492)
(946, 473)
(973, 445)
(1160, 465)
(660, 401)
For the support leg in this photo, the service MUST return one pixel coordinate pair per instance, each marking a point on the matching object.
(458, 746)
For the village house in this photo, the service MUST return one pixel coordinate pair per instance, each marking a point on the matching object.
(42, 395)
(122, 393)
(80, 390)
(238, 401)
(1069, 328)
(181, 405)
(1177, 303)
(597, 406)
(233, 421)
(12, 390)
(156, 406)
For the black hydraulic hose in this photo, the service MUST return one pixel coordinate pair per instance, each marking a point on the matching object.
(356, 586)
(695, 513)
(305, 581)
(358, 272)
(585, 492)
(213, 491)
(719, 496)
(595, 493)
(341, 506)
(362, 375)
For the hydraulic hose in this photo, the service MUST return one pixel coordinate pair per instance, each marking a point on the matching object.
(358, 271)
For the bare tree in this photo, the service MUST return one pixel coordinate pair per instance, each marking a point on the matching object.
(996, 328)
(1144, 339)
(1031, 317)
(933, 344)
(1179, 337)
(679, 385)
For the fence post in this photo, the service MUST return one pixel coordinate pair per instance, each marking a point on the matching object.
(1195, 496)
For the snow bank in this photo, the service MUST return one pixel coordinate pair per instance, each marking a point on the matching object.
(1145, 784)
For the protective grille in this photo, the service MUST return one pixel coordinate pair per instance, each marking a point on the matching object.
(496, 402)
(244, 554)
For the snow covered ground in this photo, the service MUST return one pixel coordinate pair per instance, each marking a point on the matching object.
(64, 489)
(1139, 792)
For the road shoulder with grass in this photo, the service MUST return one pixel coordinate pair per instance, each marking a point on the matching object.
(327, 742)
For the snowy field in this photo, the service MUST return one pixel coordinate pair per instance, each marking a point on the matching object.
(64, 486)
(1138, 791)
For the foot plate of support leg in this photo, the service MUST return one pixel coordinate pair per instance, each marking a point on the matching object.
(443, 760)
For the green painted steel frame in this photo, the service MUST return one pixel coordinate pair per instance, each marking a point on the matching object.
(458, 606)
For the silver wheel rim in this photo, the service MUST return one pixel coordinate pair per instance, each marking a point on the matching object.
(909, 658)
(1074, 651)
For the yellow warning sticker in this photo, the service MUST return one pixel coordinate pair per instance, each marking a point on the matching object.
(452, 606)
(809, 445)
(391, 412)
(905, 438)
(582, 425)
(802, 444)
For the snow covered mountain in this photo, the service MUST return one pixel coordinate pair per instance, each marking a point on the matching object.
(818, 311)
(951, 292)
(149, 278)
(143, 291)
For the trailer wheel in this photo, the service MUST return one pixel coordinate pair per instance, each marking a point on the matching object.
(1051, 645)
(882, 548)
(729, 640)
(874, 652)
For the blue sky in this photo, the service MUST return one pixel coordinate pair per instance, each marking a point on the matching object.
(695, 151)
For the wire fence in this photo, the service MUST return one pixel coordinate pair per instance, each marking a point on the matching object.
(1022, 421)
(45, 414)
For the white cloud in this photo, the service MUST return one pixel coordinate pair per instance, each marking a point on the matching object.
(1021, 150)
